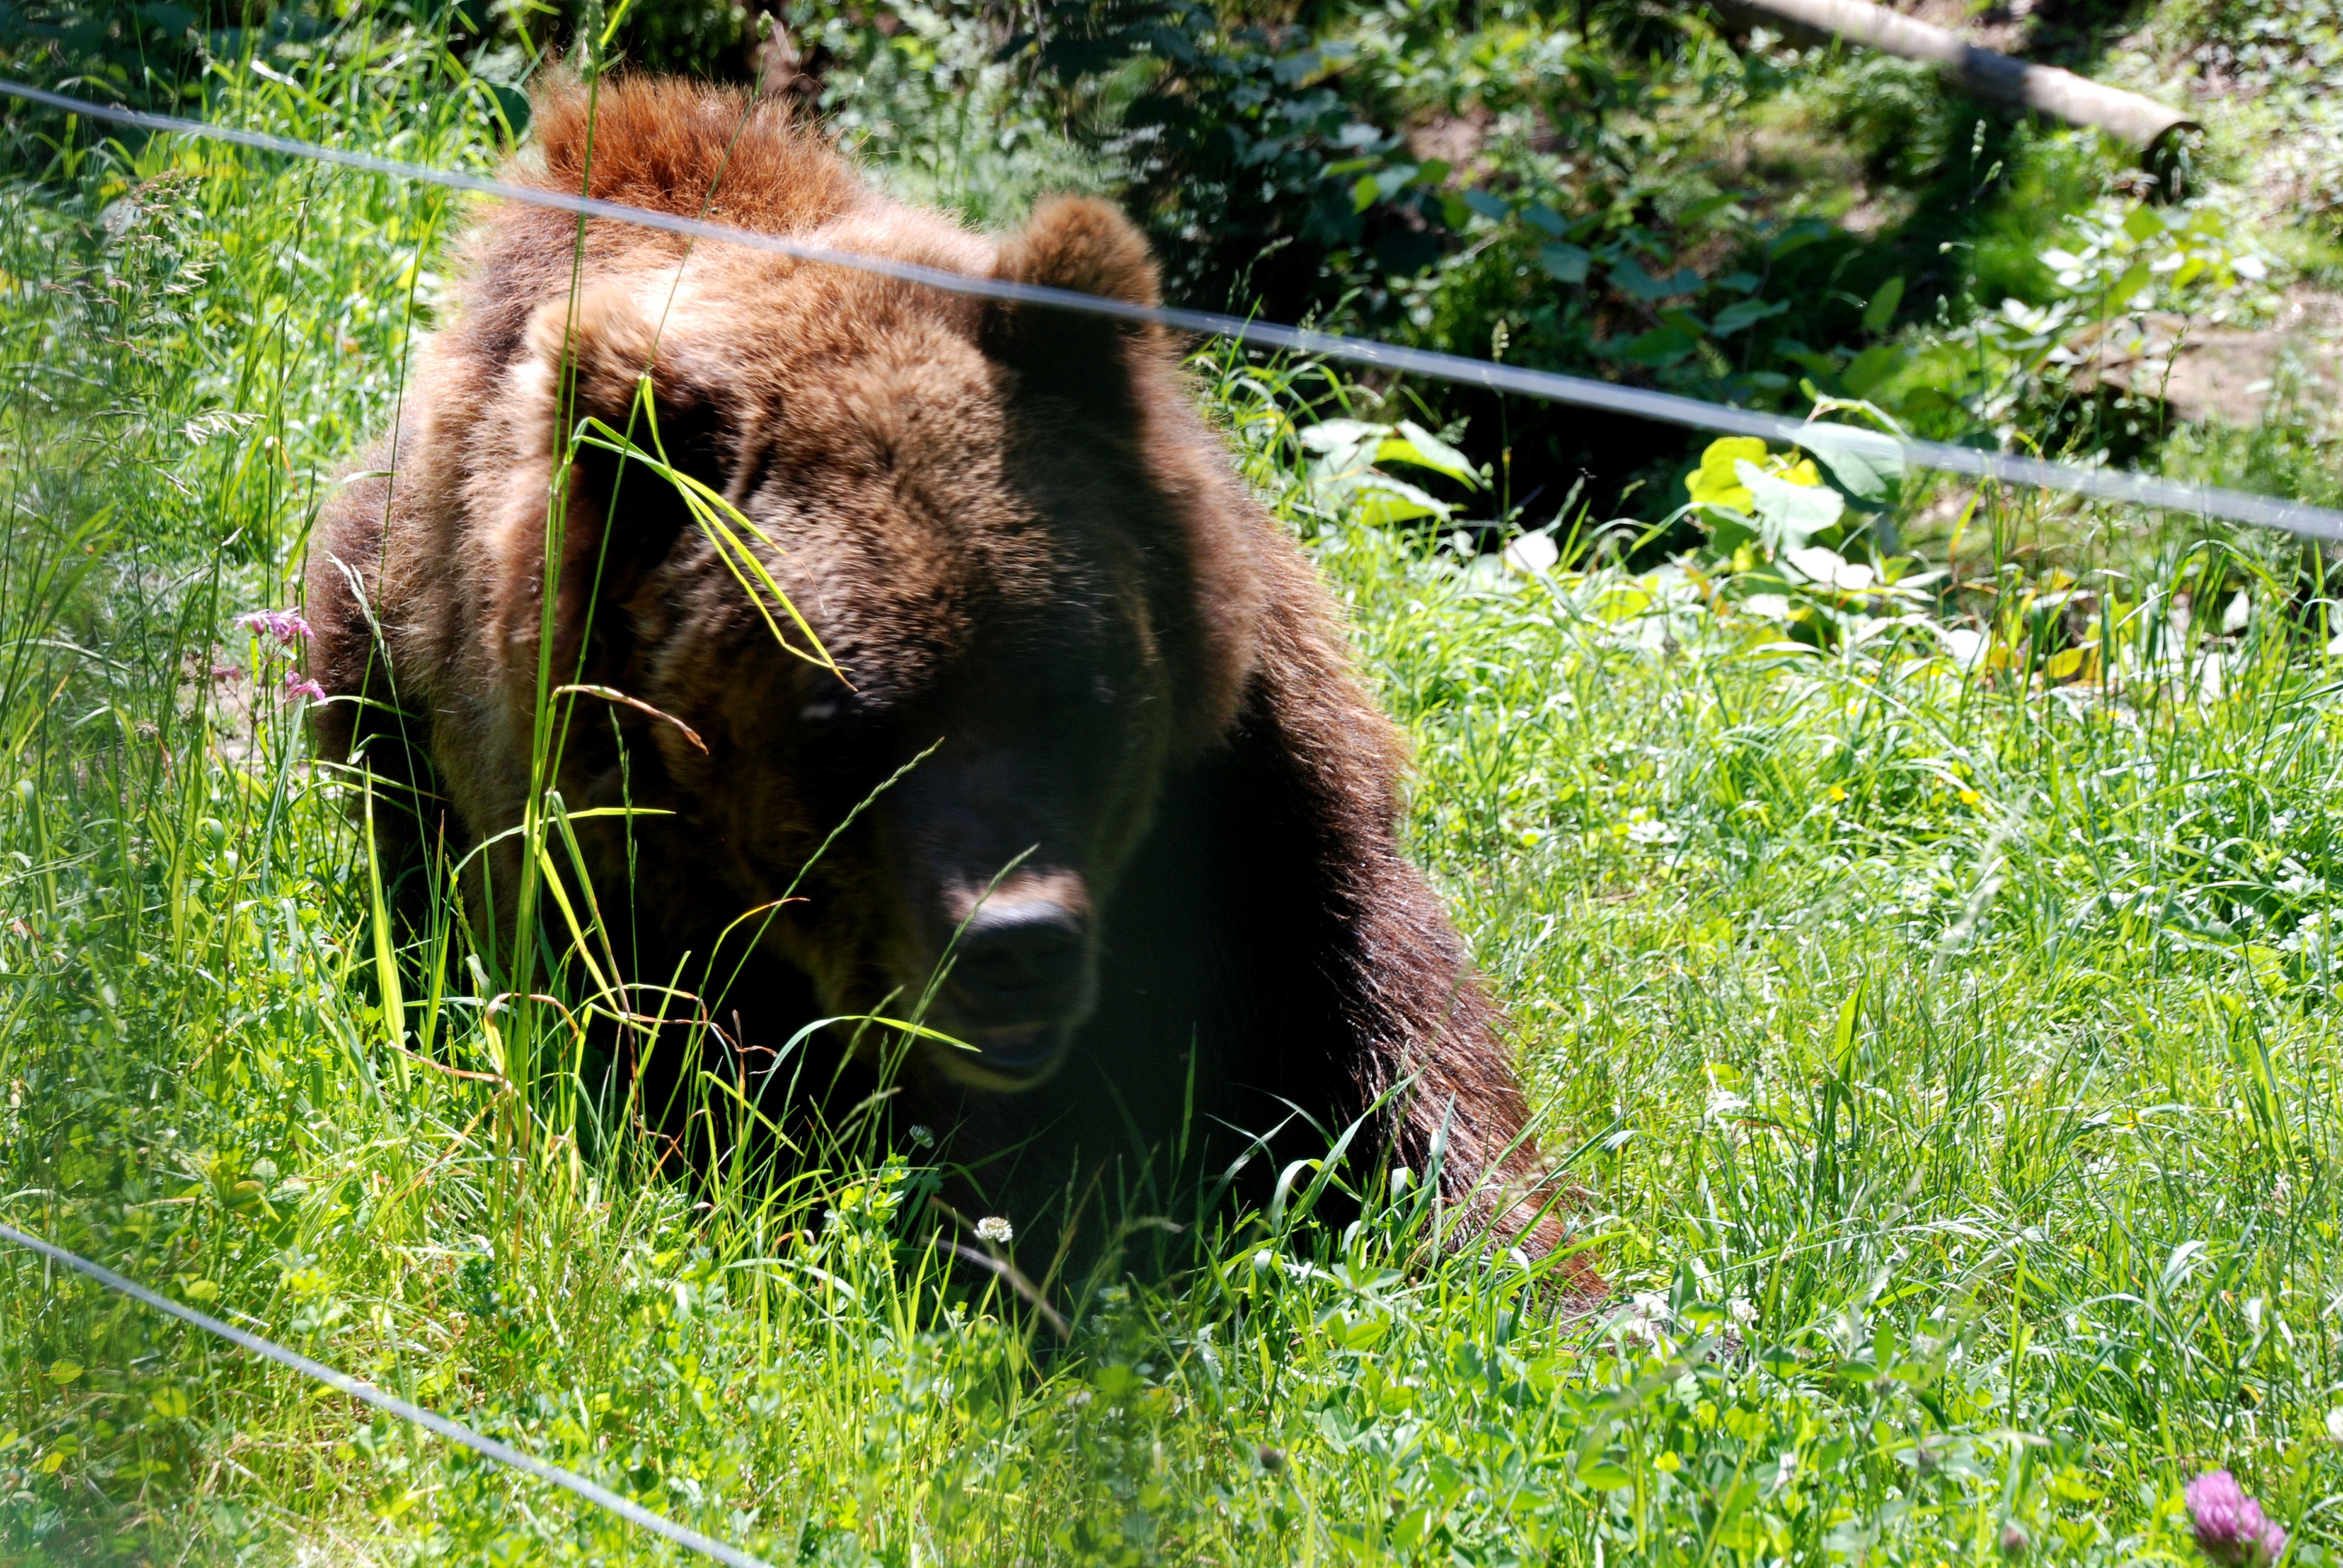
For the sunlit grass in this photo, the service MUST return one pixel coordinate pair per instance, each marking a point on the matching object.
(1945, 1051)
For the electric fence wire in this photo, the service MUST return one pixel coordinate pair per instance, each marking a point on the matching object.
(453, 1432)
(1878, 449)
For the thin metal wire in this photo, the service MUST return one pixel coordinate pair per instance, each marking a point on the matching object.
(2298, 517)
(488, 1447)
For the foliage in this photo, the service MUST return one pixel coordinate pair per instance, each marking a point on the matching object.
(1928, 977)
(148, 54)
(1344, 473)
(2120, 265)
(942, 119)
(1646, 197)
(2284, 58)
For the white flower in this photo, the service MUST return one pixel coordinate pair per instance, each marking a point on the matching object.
(1532, 554)
(1645, 1321)
(2335, 1425)
(922, 1137)
(993, 1228)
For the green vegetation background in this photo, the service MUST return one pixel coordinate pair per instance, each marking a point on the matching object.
(1928, 975)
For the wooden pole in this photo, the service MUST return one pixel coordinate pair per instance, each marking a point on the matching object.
(2142, 121)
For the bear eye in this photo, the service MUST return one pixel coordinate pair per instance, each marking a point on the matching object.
(832, 719)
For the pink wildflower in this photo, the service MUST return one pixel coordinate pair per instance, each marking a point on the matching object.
(285, 625)
(2230, 1527)
(298, 685)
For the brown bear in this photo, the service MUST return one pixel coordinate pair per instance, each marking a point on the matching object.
(1093, 788)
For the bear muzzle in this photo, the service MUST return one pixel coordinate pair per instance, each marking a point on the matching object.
(1024, 975)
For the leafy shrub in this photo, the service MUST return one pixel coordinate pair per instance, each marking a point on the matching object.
(932, 110)
(2117, 270)
(150, 53)
(1551, 190)
(1251, 158)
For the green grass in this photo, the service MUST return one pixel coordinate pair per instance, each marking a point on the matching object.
(1946, 1054)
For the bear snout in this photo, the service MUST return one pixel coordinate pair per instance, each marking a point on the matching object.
(1024, 975)
(1022, 961)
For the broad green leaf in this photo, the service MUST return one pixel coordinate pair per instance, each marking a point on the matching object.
(1864, 462)
(1627, 273)
(1871, 367)
(1662, 346)
(1563, 262)
(1792, 512)
(1829, 568)
(1746, 313)
(1801, 234)
(1707, 206)
(1115, 1380)
(1489, 206)
(1604, 1476)
(1412, 443)
(1714, 483)
(2144, 224)
(1881, 309)
(1542, 217)
(1382, 499)
(1329, 435)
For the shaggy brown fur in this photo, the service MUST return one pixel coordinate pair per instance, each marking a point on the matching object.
(1149, 746)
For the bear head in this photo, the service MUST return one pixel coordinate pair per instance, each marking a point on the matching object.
(1007, 530)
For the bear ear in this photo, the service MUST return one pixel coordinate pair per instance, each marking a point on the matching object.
(1088, 246)
(1084, 244)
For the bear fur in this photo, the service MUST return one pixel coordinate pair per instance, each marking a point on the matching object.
(1111, 697)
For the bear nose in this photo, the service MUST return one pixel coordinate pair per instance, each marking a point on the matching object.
(1021, 962)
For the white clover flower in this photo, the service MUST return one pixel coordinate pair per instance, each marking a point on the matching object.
(922, 1136)
(1645, 1321)
(994, 1229)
